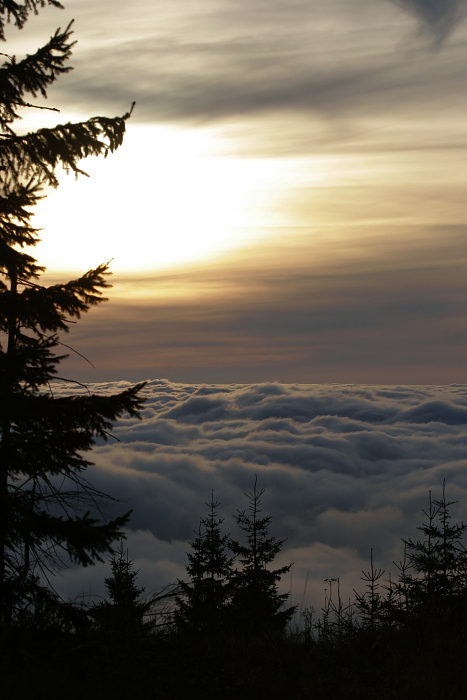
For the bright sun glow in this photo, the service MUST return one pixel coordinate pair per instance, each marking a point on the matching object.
(166, 197)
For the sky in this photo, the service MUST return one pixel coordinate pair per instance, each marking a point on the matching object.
(345, 470)
(289, 202)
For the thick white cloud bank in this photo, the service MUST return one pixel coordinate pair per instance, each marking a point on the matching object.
(345, 468)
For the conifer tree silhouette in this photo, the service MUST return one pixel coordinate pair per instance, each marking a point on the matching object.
(257, 606)
(439, 560)
(46, 505)
(202, 605)
(122, 615)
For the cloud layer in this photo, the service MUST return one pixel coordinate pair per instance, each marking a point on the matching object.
(346, 468)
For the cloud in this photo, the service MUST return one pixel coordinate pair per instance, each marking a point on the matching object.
(290, 74)
(386, 307)
(437, 411)
(441, 16)
(229, 62)
(198, 409)
(346, 468)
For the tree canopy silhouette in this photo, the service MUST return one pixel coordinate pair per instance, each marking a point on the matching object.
(49, 513)
(203, 605)
(256, 606)
(122, 616)
(220, 598)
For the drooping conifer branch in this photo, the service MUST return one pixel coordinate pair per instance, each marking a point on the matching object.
(41, 152)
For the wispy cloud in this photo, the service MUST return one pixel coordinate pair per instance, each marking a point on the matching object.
(223, 61)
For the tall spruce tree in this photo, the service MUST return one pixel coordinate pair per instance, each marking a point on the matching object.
(47, 508)
(122, 616)
(203, 603)
(257, 607)
(439, 560)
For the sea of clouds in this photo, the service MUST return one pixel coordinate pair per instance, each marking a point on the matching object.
(345, 468)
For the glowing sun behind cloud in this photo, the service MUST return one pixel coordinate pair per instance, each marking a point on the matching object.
(166, 197)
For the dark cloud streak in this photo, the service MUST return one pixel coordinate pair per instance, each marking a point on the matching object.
(441, 16)
(228, 82)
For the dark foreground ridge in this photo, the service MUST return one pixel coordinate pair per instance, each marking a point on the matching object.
(399, 639)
